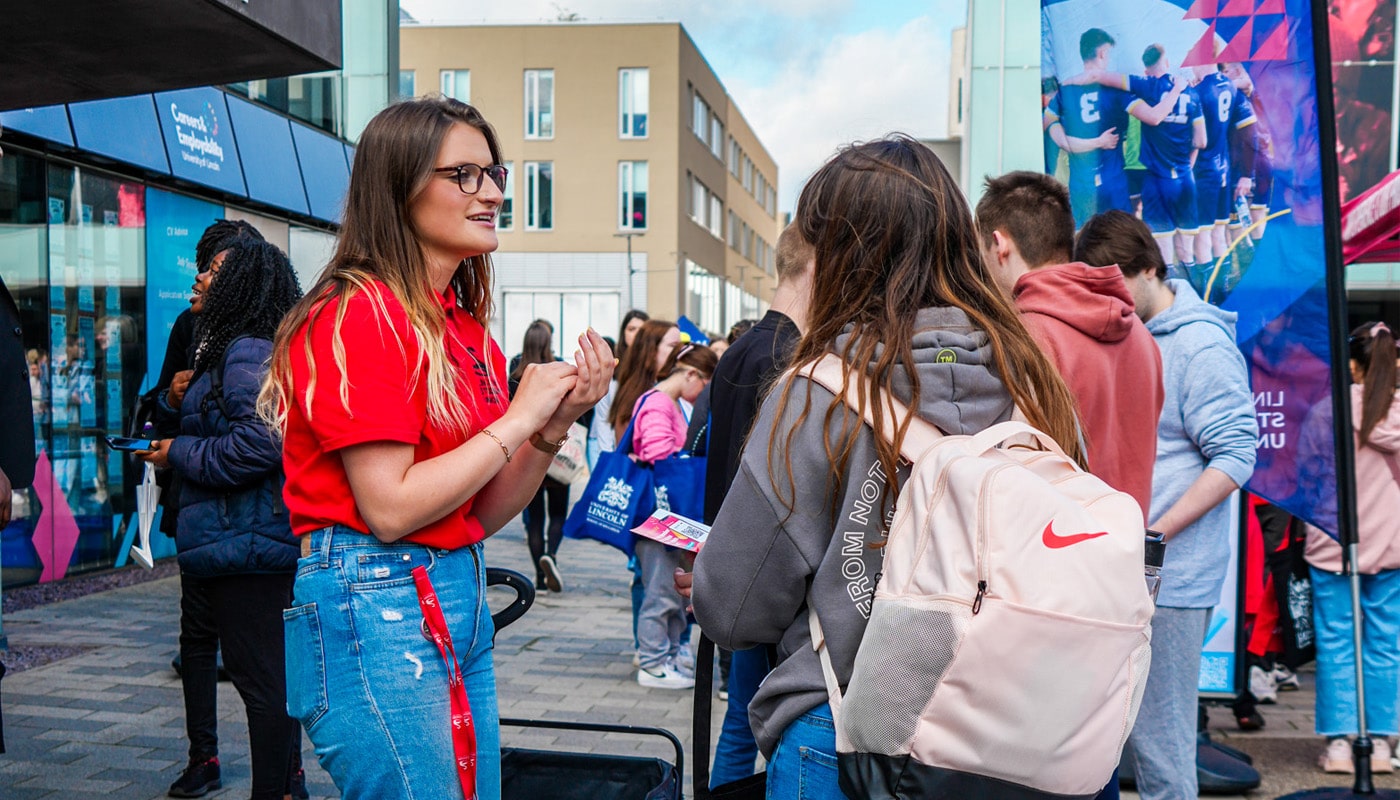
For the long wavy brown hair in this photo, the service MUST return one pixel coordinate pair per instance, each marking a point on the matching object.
(893, 235)
(637, 372)
(393, 164)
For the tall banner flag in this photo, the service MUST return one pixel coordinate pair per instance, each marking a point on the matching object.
(1202, 118)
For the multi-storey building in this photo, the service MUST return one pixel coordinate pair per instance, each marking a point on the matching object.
(635, 181)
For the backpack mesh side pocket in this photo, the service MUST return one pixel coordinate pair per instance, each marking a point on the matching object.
(906, 649)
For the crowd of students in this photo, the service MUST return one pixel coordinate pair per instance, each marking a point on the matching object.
(344, 454)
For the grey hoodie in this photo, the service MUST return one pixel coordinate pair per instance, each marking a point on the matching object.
(1207, 421)
(753, 576)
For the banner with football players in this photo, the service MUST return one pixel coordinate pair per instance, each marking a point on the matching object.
(1200, 117)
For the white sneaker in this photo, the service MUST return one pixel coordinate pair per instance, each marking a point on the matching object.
(1262, 686)
(1285, 679)
(1336, 759)
(665, 678)
(552, 578)
(1380, 755)
(684, 660)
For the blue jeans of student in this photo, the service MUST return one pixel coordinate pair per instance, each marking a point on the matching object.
(803, 766)
(1336, 661)
(369, 687)
(737, 752)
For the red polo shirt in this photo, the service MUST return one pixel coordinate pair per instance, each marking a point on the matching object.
(386, 400)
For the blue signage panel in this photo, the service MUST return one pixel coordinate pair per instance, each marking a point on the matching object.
(199, 138)
(323, 170)
(123, 128)
(269, 159)
(350, 156)
(46, 122)
(174, 224)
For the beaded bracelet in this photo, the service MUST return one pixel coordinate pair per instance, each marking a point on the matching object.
(504, 449)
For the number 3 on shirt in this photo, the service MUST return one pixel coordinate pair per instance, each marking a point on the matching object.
(1087, 107)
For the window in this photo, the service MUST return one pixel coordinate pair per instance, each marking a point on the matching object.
(699, 200)
(700, 118)
(539, 195)
(632, 195)
(717, 138)
(748, 174)
(632, 102)
(733, 230)
(735, 156)
(406, 89)
(759, 186)
(457, 84)
(716, 219)
(505, 215)
(539, 104)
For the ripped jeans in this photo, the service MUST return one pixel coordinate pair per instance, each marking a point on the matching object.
(367, 685)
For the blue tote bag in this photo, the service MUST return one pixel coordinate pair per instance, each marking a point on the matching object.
(679, 485)
(618, 497)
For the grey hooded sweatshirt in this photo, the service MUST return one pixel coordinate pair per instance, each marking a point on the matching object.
(766, 551)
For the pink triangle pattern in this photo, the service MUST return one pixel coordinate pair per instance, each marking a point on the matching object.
(1203, 52)
(1203, 9)
(1237, 8)
(56, 532)
(1270, 7)
(1239, 47)
(1275, 48)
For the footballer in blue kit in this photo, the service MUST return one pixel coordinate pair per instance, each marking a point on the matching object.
(1087, 117)
(1169, 153)
(1228, 113)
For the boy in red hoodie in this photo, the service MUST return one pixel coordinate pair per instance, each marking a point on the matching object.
(1083, 318)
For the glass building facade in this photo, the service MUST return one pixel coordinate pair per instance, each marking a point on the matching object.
(101, 204)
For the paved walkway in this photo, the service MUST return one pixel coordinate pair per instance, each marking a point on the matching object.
(108, 722)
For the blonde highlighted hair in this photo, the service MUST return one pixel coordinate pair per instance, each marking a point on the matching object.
(393, 164)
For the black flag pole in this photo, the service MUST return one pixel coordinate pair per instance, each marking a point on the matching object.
(1362, 748)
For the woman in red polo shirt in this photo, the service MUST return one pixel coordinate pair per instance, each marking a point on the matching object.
(402, 452)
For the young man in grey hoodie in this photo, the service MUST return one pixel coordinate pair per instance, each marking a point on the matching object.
(1206, 439)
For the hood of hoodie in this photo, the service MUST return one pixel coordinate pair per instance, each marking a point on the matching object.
(960, 391)
(1386, 435)
(1093, 300)
(1188, 307)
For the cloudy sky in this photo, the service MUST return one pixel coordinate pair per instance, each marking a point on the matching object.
(809, 75)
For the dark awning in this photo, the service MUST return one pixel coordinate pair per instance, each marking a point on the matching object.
(59, 51)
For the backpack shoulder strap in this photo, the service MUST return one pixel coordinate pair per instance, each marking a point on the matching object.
(829, 373)
(833, 687)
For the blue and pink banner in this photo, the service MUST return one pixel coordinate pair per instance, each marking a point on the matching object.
(1240, 218)
(1272, 271)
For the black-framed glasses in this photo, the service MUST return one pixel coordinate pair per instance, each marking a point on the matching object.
(469, 176)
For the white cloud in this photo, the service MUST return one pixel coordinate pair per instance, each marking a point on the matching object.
(859, 86)
(809, 75)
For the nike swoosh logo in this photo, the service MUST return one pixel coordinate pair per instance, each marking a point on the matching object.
(1055, 541)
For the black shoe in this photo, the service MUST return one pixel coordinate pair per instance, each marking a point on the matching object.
(198, 779)
(552, 578)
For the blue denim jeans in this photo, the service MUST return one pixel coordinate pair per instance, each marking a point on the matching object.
(1380, 651)
(737, 752)
(367, 685)
(804, 765)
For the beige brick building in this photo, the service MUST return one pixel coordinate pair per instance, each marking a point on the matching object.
(611, 130)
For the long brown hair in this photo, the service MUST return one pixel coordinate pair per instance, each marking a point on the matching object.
(1372, 347)
(637, 372)
(393, 164)
(621, 349)
(893, 235)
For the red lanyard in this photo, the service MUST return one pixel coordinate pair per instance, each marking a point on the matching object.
(463, 733)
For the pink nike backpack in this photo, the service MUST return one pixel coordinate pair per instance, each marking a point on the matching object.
(1009, 640)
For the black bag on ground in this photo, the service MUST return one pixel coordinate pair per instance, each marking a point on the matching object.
(1293, 589)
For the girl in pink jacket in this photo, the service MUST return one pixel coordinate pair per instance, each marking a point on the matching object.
(1375, 412)
(659, 427)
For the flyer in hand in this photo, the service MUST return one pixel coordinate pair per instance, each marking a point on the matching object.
(674, 530)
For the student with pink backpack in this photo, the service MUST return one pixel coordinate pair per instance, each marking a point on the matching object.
(903, 314)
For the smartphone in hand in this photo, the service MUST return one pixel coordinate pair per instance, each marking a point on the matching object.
(130, 444)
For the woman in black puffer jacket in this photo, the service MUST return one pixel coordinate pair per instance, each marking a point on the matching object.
(236, 549)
